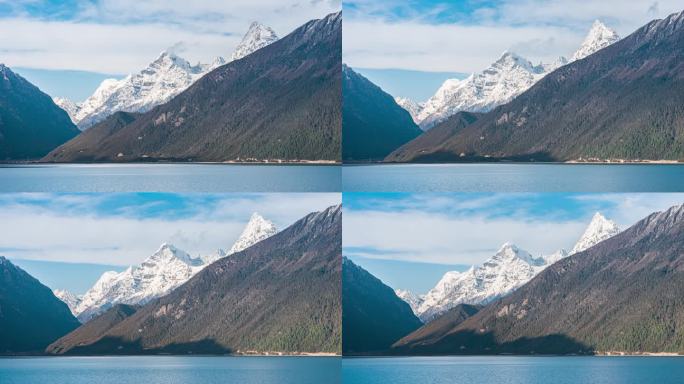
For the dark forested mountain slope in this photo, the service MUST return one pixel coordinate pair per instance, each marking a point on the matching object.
(31, 317)
(31, 125)
(374, 124)
(625, 101)
(623, 294)
(440, 326)
(282, 294)
(281, 102)
(93, 330)
(373, 317)
(421, 149)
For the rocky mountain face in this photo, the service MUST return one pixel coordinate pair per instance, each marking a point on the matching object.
(373, 317)
(31, 125)
(503, 80)
(503, 273)
(156, 276)
(624, 294)
(164, 78)
(31, 317)
(623, 102)
(373, 122)
(282, 102)
(280, 295)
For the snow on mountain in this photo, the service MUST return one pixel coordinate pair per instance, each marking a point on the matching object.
(68, 298)
(506, 78)
(413, 300)
(599, 229)
(507, 270)
(410, 106)
(257, 229)
(599, 37)
(499, 275)
(164, 78)
(257, 37)
(165, 270)
(168, 268)
(67, 105)
(502, 81)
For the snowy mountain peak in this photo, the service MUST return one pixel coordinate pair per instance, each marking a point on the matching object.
(68, 298)
(169, 253)
(159, 274)
(257, 37)
(165, 77)
(507, 77)
(410, 106)
(599, 229)
(257, 229)
(414, 301)
(599, 37)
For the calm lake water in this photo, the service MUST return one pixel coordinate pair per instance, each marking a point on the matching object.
(513, 370)
(170, 370)
(509, 177)
(213, 178)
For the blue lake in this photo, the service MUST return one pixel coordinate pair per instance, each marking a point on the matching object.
(212, 178)
(513, 177)
(170, 370)
(513, 370)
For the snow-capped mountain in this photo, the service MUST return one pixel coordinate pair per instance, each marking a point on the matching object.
(164, 78)
(257, 229)
(507, 270)
(411, 106)
(413, 300)
(257, 37)
(168, 268)
(599, 229)
(499, 83)
(599, 37)
(506, 78)
(165, 270)
(68, 298)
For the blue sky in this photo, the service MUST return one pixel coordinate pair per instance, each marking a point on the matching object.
(71, 236)
(102, 37)
(466, 36)
(390, 234)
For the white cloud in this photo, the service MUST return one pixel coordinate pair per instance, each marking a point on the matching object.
(541, 30)
(422, 237)
(123, 36)
(32, 232)
(457, 238)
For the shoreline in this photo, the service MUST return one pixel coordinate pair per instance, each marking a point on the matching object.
(569, 162)
(302, 162)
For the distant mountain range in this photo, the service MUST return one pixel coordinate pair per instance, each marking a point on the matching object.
(374, 124)
(503, 273)
(167, 269)
(282, 294)
(622, 102)
(622, 295)
(31, 317)
(506, 78)
(278, 100)
(31, 125)
(164, 78)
